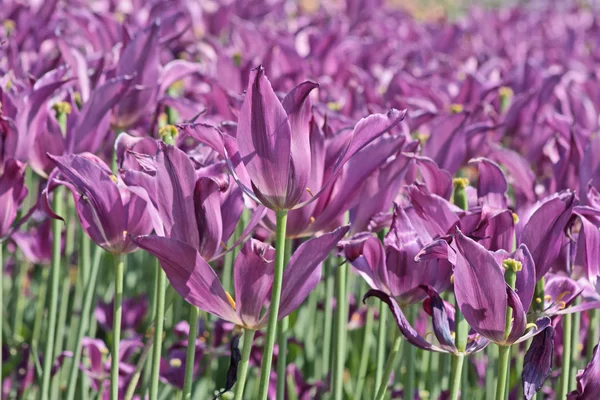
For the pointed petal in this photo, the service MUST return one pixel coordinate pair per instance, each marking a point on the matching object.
(304, 269)
(253, 278)
(588, 381)
(537, 364)
(12, 193)
(264, 141)
(298, 108)
(440, 320)
(368, 257)
(190, 275)
(525, 285)
(477, 277)
(208, 215)
(491, 183)
(519, 318)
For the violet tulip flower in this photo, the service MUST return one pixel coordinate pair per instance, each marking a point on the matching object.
(272, 155)
(391, 267)
(193, 278)
(12, 193)
(107, 209)
(588, 380)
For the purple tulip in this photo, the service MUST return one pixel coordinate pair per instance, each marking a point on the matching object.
(273, 144)
(134, 311)
(107, 209)
(192, 277)
(392, 268)
(588, 380)
(12, 193)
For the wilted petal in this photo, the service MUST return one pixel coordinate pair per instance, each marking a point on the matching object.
(253, 278)
(440, 320)
(190, 275)
(537, 364)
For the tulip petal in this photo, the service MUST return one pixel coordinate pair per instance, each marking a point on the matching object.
(440, 320)
(190, 275)
(368, 257)
(491, 183)
(12, 193)
(405, 328)
(588, 381)
(525, 284)
(544, 231)
(537, 364)
(304, 269)
(264, 141)
(477, 277)
(519, 322)
(253, 278)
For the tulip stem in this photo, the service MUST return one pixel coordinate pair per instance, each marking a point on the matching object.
(503, 369)
(90, 291)
(57, 205)
(243, 365)
(1, 296)
(191, 353)
(563, 387)
(117, 314)
(409, 359)
(267, 357)
(341, 318)
(282, 337)
(327, 316)
(381, 334)
(593, 328)
(456, 375)
(364, 356)
(159, 298)
(389, 365)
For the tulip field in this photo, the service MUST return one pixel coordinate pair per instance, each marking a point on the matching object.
(299, 199)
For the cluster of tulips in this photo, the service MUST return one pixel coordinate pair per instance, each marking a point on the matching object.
(298, 200)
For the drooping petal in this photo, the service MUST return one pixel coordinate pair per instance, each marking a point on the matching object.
(537, 364)
(208, 216)
(304, 269)
(440, 214)
(264, 141)
(405, 328)
(588, 243)
(253, 278)
(190, 275)
(440, 320)
(477, 279)
(519, 322)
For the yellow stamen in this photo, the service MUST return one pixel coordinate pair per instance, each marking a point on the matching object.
(538, 300)
(334, 106)
(168, 130)
(310, 192)
(460, 182)
(230, 299)
(114, 178)
(456, 108)
(515, 218)
(512, 265)
(62, 107)
(505, 91)
(312, 219)
(175, 362)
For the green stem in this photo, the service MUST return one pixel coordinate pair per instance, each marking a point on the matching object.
(1, 297)
(492, 362)
(592, 338)
(341, 318)
(191, 353)
(282, 338)
(433, 380)
(364, 356)
(267, 357)
(117, 314)
(57, 205)
(327, 315)
(90, 291)
(381, 333)
(456, 375)
(19, 303)
(388, 370)
(60, 328)
(503, 369)
(575, 350)
(243, 365)
(563, 387)
(161, 288)
(409, 359)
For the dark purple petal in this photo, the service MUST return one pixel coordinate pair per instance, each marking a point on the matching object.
(588, 380)
(12, 193)
(537, 364)
(440, 320)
